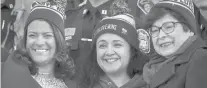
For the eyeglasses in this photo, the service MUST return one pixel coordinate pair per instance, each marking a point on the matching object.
(167, 27)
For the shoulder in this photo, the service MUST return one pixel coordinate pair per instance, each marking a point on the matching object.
(13, 65)
(197, 73)
(198, 57)
(137, 82)
(15, 74)
(72, 83)
(199, 54)
(14, 61)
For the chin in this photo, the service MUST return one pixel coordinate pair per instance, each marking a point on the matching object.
(41, 59)
(167, 53)
(110, 71)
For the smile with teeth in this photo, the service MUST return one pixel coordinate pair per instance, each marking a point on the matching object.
(111, 60)
(40, 50)
(165, 44)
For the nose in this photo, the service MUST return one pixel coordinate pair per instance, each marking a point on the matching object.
(40, 41)
(162, 34)
(109, 51)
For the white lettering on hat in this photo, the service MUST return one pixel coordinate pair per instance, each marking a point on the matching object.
(124, 31)
(106, 26)
(188, 4)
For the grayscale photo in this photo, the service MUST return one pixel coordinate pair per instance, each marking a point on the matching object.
(103, 44)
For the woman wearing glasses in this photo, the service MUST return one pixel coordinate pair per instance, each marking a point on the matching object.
(173, 30)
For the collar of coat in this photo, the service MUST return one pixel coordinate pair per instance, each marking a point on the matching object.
(167, 71)
(136, 82)
(105, 6)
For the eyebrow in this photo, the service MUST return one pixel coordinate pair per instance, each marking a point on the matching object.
(41, 32)
(47, 33)
(101, 41)
(118, 41)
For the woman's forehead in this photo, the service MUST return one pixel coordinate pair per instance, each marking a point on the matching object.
(109, 37)
(164, 19)
(39, 26)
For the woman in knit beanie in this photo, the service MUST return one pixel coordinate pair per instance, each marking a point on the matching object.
(175, 35)
(43, 59)
(114, 59)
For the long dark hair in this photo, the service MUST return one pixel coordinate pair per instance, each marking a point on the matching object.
(90, 72)
(62, 69)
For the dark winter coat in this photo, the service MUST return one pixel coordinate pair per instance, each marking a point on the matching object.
(15, 74)
(188, 70)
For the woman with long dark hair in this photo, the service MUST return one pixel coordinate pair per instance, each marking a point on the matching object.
(43, 59)
(114, 59)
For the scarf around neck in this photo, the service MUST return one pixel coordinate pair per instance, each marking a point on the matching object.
(155, 65)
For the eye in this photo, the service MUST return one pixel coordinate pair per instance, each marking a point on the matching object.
(31, 35)
(169, 26)
(154, 29)
(48, 35)
(102, 46)
(118, 45)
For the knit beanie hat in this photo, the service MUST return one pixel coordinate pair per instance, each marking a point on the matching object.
(184, 8)
(122, 25)
(52, 12)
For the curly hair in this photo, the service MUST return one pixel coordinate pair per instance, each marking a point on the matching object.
(64, 65)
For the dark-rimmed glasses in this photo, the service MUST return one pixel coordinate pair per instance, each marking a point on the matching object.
(167, 27)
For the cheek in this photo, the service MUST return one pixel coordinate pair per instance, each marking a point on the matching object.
(154, 40)
(125, 54)
(52, 42)
(100, 53)
(29, 42)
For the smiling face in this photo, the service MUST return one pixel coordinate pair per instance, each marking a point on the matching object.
(167, 44)
(113, 53)
(40, 42)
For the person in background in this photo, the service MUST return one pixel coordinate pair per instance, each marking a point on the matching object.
(174, 33)
(202, 5)
(7, 29)
(201, 15)
(43, 60)
(80, 23)
(114, 61)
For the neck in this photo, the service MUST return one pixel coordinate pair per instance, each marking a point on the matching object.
(119, 79)
(96, 3)
(46, 69)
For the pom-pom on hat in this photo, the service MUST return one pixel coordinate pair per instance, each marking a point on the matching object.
(122, 25)
(184, 8)
(49, 11)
